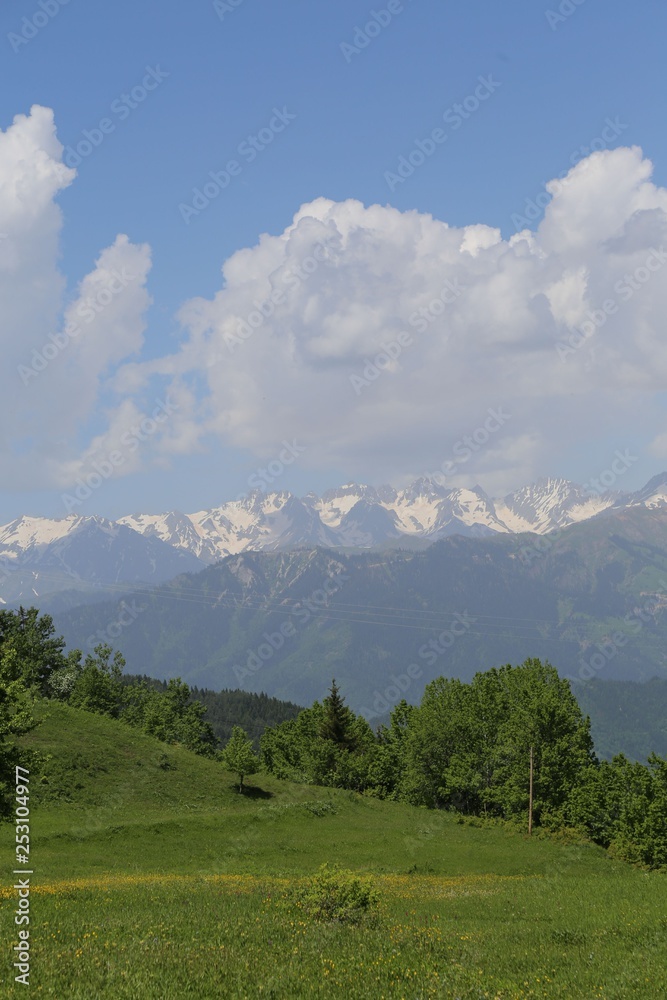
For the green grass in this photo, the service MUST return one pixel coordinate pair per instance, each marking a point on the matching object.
(138, 845)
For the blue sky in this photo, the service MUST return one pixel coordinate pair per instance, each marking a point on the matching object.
(220, 74)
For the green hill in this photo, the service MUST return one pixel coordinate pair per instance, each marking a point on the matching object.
(154, 878)
(104, 782)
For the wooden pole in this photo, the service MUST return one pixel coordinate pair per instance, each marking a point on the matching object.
(530, 796)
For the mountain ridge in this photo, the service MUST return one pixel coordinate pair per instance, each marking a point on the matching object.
(42, 556)
(591, 599)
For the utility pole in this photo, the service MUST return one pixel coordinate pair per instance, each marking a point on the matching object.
(530, 796)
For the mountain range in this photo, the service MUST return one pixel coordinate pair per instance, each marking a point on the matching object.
(87, 555)
(592, 599)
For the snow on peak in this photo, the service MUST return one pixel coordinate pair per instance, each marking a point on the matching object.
(352, 515)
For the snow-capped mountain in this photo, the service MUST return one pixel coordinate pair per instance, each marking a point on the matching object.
(42, 555)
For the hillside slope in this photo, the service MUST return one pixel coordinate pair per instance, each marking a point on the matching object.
(157, 880)
(110, 799)
(286, 623)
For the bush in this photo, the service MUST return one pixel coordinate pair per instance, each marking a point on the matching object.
(334, 894)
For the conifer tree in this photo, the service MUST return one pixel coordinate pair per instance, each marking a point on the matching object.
(337, 722)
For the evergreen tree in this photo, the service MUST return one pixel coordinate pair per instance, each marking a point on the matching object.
(337, 725)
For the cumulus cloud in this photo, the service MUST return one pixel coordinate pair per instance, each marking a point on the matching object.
(379, 338)
(58, 355)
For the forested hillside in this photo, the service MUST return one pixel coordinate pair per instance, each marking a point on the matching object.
(226, 709)
(513, 744)
(590, 599)
(626, 717)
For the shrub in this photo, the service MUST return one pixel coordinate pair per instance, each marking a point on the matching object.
(334, 894)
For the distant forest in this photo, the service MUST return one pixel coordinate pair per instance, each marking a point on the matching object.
(627, 717)
(229, 708)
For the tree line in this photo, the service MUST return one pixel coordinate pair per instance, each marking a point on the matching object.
(512, 744)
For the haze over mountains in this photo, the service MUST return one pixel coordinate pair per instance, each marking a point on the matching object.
(44, 556)
(591, 598)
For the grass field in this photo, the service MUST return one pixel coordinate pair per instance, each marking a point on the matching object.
(155, 879)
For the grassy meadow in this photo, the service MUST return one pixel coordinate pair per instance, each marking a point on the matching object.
(155, 879)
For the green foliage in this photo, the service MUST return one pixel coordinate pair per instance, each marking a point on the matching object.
(97, 686)
(468, 745)
(467, 748)
(16, 719)
(169, 715)
(238, 756)
(389, 758)
(38, 653)
(305, 749)
(623, 806)
(336, 894)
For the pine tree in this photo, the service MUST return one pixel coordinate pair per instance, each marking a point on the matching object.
(337, 721)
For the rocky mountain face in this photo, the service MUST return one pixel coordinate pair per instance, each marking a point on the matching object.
(43, 556)
(82, 555)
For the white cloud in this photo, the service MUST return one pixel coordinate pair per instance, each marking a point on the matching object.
(271, 355)
(57, 356)
(287, 374)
